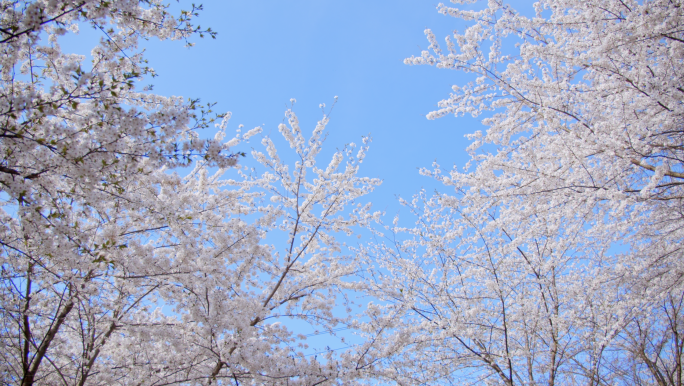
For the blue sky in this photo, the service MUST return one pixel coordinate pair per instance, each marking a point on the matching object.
(270, 51)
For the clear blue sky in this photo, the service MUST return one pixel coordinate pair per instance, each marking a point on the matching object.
(270, 51)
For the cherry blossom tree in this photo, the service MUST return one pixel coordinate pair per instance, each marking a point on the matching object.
(115, 269)
(557, 258)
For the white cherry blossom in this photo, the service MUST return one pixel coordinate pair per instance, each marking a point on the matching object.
(556, 258)
(117, 271)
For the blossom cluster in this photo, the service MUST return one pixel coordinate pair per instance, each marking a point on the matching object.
(557, 257)
(116, 270)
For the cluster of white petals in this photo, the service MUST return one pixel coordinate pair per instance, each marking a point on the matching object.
(557, 259)
(117, 271)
